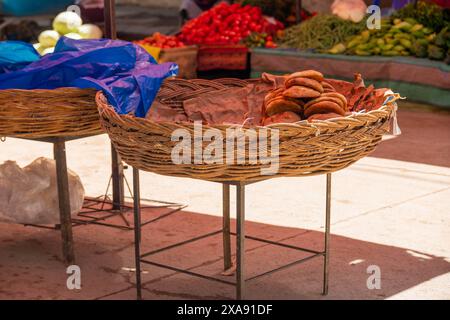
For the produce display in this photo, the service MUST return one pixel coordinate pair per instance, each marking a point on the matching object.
(227, 24)
(430, 15)
(398, 38)
(70, 25)
(320, 33)
(282, 10)
(166, 48)
(308, 95)
(162, 41)
(259, 40)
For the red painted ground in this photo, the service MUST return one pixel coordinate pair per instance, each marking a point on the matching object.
(425, 139)
(31, 266)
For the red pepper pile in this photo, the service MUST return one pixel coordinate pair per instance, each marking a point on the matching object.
(227, 24)
(162, 41)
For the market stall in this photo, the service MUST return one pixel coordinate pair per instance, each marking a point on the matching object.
(420, 80)
(409, 52)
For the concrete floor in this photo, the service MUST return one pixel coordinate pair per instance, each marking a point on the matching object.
(390, 210)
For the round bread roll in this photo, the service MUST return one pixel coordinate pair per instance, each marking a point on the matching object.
(338, 96)
(304, 82)
(298, 92)
(323, 98)
(280, 105)
(310, 74)
(327, 87)
(284, 117)
(324, 107)
(273, 94)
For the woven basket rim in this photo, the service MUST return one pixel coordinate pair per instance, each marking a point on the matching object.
(44, 113)
(387, 108)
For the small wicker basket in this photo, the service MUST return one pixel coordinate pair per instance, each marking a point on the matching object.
(304, 148)
(68, 112)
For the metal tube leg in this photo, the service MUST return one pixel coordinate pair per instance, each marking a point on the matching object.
(226, 227)
(117, 180)
(326, 255)
(240, 239)
(137, 231)
(59, 150)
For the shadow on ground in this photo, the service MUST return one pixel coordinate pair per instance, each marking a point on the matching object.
(31, 266)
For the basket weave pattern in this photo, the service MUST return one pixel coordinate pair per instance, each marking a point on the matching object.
(304, 148)
(68, 112)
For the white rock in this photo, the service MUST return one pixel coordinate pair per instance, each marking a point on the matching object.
(29, 195)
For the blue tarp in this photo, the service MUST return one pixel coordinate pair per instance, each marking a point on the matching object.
(126, 73)
(16, 55)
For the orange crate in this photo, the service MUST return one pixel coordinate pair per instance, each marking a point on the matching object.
(230, 57)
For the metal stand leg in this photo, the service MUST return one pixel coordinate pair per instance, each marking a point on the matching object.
(117, 180)
(326, 255)
(59, 151)
(137, 230)
(226, 227)
(240, 241)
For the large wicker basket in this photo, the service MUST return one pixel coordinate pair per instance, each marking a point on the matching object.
(68, 112)
(304, 148)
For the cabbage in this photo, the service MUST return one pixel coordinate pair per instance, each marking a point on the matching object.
(48, 38)
(39, 48)
(73, 35)
(90, 31)
(67, 22)
(48, 50)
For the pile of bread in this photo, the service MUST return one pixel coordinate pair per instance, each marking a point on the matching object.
(304, 95)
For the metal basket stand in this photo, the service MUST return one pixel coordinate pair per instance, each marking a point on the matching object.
(240, 241)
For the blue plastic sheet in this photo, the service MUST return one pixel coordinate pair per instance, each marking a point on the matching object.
(15, 55)
(126, 73)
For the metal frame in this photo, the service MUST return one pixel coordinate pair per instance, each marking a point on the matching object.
(88, 216)
(225, 231)
(116, 162)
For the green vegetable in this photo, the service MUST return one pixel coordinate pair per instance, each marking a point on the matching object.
(420, 49)
(406, 43)
(416, 27)
(337, 49)
(321, 33)
(428, 14)
(404, 26)
(443, 38)
(362, 53)
(389, 53)
(436, 53)
(418, 34)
